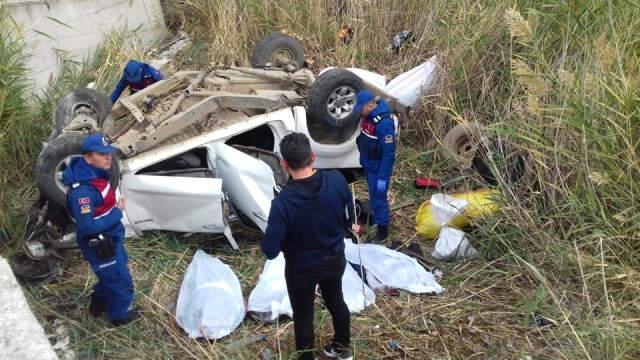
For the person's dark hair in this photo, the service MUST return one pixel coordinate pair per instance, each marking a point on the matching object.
(296, 150)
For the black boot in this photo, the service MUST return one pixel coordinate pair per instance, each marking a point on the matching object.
(97, 307)
(383, 233)
(132, 315)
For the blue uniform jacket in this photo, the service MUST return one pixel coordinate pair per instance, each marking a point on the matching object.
(377, 142)
(84, 201)
(137, 75)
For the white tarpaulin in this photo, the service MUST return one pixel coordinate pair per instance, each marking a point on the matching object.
(392, 268)
(408, 86)
(210, 302)
(270, 294)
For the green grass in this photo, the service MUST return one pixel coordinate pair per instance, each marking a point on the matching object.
(555, 79)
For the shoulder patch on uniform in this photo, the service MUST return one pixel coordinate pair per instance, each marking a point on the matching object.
(388, 139)
(85, 209)
(84, 200)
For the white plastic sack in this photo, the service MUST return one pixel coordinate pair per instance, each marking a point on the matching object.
(210, 302)
(446, 207)
(452, 244)
(270, 294)
(408, 86)
(392, 268)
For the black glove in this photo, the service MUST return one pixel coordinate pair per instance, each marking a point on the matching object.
(104, 246)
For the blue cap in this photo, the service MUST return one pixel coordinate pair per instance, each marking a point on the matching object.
(133, 71)
(364, 97)
(98, 143)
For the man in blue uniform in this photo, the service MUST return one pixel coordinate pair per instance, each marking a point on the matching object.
(308, 222)
(91, 202)
(137, 76)
(377, 146)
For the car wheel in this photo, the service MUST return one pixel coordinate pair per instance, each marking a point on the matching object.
(332, 98)
(55, 158)
(460, 143)
(92, 102)
(277, 48)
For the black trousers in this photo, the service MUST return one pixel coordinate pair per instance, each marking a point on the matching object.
(301, 286)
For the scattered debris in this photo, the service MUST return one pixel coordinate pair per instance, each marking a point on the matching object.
(424, 183)
(457, 211)
(452, 244)
(169, 50)
(400, 39)
(393, 345)
(540, 321)
(345, 34)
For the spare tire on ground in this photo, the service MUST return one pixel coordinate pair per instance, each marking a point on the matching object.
(276, 49)
(96, 104)
(332, 98)
(55, 158)
(461, 143)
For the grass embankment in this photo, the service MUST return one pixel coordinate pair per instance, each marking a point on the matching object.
(557, 79)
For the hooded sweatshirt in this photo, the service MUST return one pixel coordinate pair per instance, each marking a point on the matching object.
(91, 201)
(309, 219)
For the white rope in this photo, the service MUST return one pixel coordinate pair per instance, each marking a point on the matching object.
(355, 234)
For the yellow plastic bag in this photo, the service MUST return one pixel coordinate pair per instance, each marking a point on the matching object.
(481, 203)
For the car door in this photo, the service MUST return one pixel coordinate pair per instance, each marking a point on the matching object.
(247, 181)
(174, 203)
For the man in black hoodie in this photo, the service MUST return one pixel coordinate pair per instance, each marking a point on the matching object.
(308, 222)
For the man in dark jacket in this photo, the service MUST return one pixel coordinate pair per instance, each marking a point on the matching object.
(91, 202)
(377, 146)
(137, 76)
(308, 222)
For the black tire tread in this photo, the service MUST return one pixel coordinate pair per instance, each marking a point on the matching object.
(100, 102)
(263, 49)
(320, 90)
(59, 148)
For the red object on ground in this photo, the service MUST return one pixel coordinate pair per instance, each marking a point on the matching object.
(359, 229)
(423, 183)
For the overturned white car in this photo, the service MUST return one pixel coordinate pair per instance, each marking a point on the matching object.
(198, 149)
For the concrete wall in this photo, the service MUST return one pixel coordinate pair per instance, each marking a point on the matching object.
(21, 336)
(74, 28)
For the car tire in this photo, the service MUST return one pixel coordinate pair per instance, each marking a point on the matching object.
(274, 45)
(460, 143)
(52, 161)
(99, 103)
(332, 98)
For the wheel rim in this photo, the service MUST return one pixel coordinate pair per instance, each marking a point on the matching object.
(341, 102)
(281, 55)
(59, 170)
(464, 147)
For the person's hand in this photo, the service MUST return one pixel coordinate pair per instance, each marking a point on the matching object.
(381, 185)
(122, 203)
